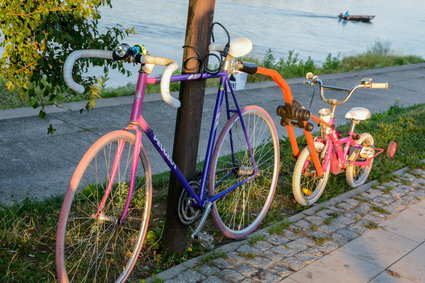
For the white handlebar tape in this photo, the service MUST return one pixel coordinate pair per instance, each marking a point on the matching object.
(74, 56)
(171, 67)
(379, 85)
(170, 64)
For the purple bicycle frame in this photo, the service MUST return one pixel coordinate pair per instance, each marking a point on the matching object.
(137, 119)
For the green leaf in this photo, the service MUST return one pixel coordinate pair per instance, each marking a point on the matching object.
(51, 130)
(42, 114)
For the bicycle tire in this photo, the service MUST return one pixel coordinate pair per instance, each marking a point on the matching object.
(307, 187)
(352, 175)
(243, 216)
(90, 248)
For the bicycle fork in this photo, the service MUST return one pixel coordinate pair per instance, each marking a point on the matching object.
(133, 175)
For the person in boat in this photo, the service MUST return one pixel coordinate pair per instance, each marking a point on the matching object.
(346, 14)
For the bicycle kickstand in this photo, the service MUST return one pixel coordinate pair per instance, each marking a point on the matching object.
(204, 239)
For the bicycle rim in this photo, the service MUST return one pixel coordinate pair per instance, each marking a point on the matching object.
(92, 248)
(357, 175)
(240, 211)
(307, 186)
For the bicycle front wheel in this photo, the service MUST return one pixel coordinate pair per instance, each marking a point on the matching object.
(307, 186)
(91, 243)
(241, 210)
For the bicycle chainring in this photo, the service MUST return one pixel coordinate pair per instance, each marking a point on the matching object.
(187, 213)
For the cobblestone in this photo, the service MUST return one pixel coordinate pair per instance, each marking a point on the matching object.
(324, 213)
(208, 270)
(338, 209)
(278, 256)
(259, 262)
(280, 270)
(246, 270)
(307, 257)
(372, 218)
(352, 202)
(331, 227)
(214, 279)
(191, 276)
(344, 205)
(249, 250)
(358, 227)
(284, 251)
(231, 275)
(314, 219)
(351, 214)
(344, 220)
(302, 224)
(266, 276)
(300, 244)
(278, 240)
(293, 263)
(316, 234)
(350, 235)
(262, 246)
(220, 263)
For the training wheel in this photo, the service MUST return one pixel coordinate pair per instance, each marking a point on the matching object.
(391, 148)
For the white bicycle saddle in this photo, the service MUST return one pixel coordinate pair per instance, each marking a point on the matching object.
(238, 47)
(358, 113)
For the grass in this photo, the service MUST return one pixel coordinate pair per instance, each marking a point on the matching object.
(387, 190)
(379, 210)
(371, 225)
(321, 240)
(379, 55)
(27, 230)
(255, 239)
(247, 255)
(280, 228)
(206, 259)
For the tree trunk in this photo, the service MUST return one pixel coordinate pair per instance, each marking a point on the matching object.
(188, 123)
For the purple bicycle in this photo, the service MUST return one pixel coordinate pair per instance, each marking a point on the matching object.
(105, 212)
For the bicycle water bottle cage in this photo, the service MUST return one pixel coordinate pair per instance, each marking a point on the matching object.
(294, 114)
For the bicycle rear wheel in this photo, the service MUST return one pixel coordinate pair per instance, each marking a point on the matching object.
(357, 175)
(96, 247)
(307, 187)
(240, 211)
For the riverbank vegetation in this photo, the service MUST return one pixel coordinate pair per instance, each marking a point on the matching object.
(379, 55)
(27, 229)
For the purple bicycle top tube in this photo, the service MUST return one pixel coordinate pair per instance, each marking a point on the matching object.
(187, 77)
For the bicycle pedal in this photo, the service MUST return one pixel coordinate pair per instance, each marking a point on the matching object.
(205, 240)
(367, 152)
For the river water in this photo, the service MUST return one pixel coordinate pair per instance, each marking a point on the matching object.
(309, 27)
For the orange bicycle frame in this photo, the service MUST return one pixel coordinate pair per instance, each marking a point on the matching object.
(287, 96)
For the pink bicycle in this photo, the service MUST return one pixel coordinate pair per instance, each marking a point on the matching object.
(354, 153)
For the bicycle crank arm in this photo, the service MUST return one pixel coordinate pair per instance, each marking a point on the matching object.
(203, 219)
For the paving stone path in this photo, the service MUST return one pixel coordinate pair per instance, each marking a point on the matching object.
(277, 252)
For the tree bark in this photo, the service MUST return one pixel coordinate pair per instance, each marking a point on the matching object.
(188, 122)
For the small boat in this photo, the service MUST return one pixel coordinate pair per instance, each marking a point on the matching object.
(357, 18)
